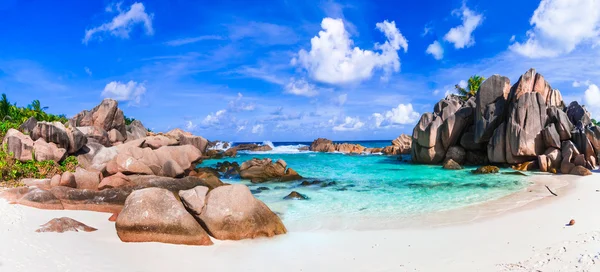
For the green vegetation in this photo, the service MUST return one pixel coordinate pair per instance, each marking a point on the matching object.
(128, 120)
(12, 170)
(473, 85)
(595, 122)
(12, 116)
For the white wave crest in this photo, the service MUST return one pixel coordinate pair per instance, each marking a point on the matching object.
(221, 146)
(282, 149)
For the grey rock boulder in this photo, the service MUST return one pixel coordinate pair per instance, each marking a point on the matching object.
(491, 106)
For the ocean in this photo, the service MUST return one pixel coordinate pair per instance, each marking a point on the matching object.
(384, 189)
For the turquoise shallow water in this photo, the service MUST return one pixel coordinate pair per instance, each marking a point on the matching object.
(371, 186)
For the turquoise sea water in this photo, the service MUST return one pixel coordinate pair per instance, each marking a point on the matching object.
(369, 186)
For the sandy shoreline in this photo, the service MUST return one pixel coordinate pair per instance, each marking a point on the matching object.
(482, 238)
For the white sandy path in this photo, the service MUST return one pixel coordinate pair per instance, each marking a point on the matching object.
(533, 238)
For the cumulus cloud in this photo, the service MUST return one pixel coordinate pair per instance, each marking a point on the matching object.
(559, 26)
(130, 91)
(592, 100)
(215, 118)
(401, 115)
(258, 129)
(123, 23)
(435, 49)
(333, 59)
(349, 124)
(462, 35)
(301, 87)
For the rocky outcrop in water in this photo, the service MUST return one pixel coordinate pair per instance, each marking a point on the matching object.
(257, 171)
(400, 145)
(527, 122)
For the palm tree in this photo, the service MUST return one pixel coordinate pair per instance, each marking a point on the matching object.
(4, 107)
(36, 106)
(473, 85)
(595, 123)
(38, 110)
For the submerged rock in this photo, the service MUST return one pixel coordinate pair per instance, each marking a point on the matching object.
(486, 170)
(64, 224)
(452, 165)
(295, 196)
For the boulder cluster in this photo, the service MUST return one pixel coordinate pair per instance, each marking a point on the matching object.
(399, 146)
(148, 180)
(526, 123)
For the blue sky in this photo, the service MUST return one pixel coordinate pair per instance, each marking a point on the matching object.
(288, 70)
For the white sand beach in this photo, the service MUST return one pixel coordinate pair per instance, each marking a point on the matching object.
(533, 237)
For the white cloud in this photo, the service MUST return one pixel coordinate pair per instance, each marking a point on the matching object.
(214, 118)
(130, 91)
(238, 105)
(436, 92)
(401, 115)
(426, 30)
(183, 41)
(559, 26)
(462, 35)
(240, 128)
(592, 100)
(87, 71)
(333, 60)
(301, 87)
(122, 24)
(463, 83)
(258, 129)
(578, 84)
(349, 124)
(436, 50)
(189, 126)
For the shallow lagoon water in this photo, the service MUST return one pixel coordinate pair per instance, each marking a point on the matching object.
(377, 187)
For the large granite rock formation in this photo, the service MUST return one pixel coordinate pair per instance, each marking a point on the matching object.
(155, 215)
(233, 213)
(106, 116)
(527, 122)
(490, 104)
(428, 140)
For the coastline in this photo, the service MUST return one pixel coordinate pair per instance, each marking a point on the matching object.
(532, 236)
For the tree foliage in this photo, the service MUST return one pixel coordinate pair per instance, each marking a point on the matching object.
(11, 115)
(596, 123)
(473, 85)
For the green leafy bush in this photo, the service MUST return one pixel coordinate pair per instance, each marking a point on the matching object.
(12, 170)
